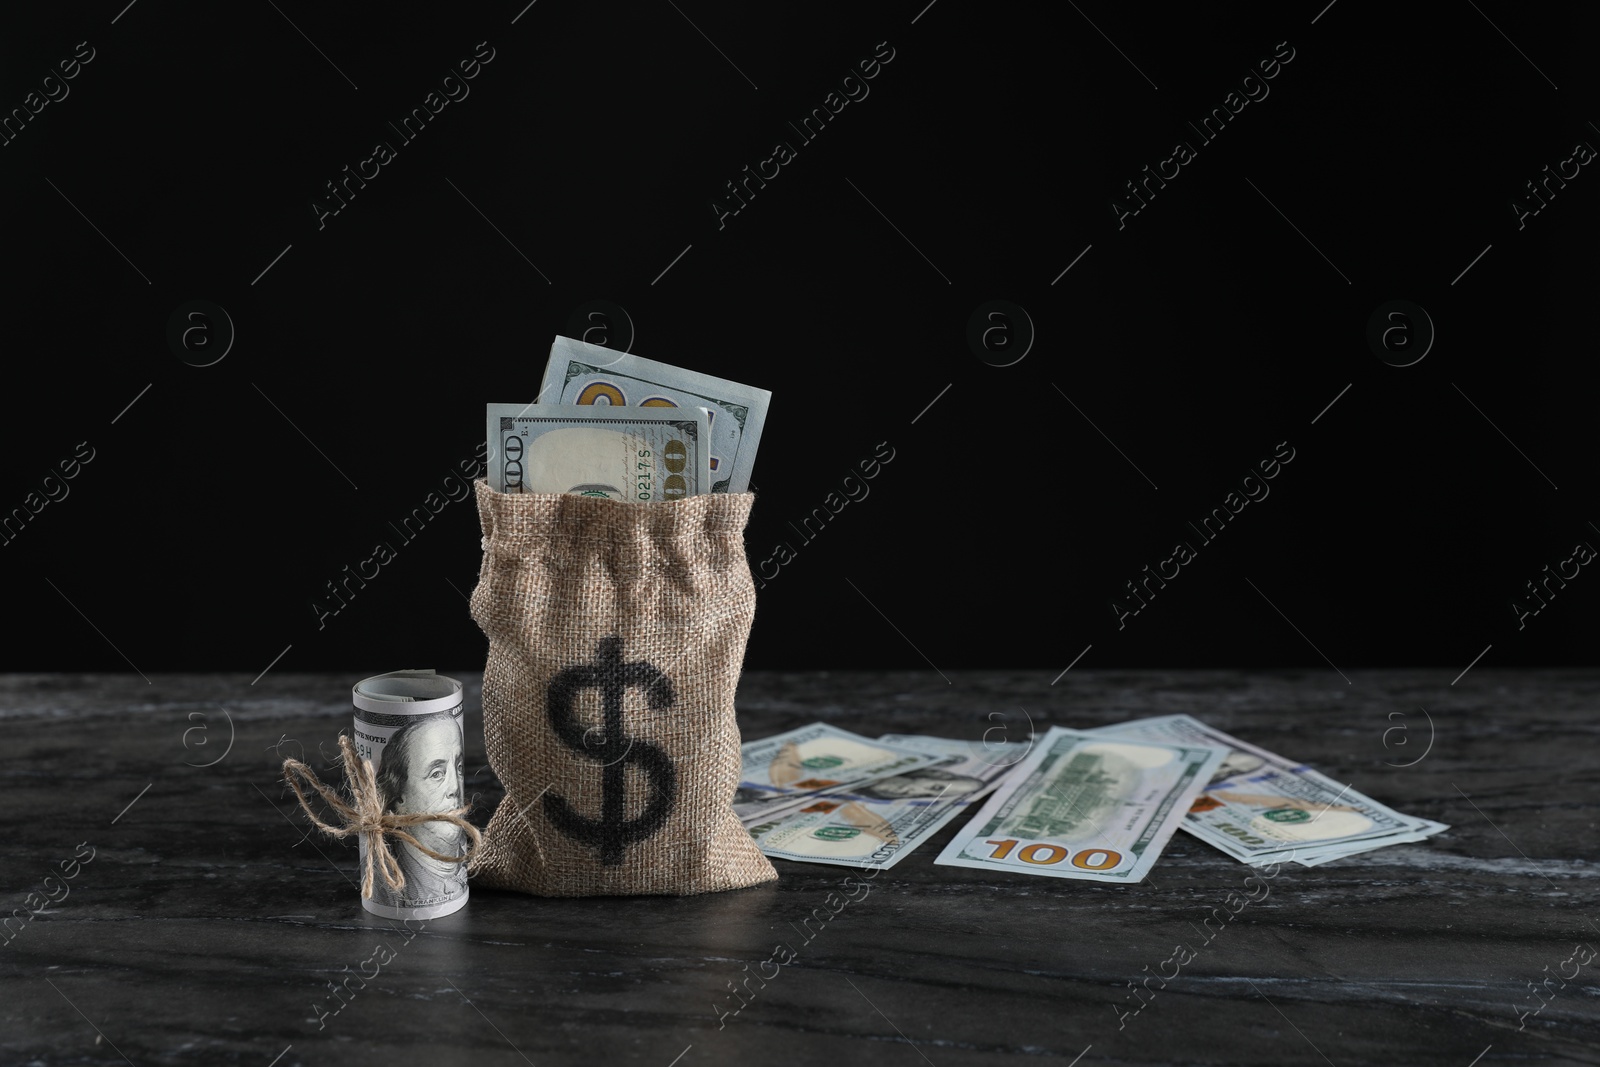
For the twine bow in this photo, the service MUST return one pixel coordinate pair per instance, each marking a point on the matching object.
(367, 817)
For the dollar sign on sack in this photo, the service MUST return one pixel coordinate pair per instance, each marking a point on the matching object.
(612, 833)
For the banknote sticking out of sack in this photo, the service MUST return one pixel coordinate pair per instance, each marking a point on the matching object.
(616, 637)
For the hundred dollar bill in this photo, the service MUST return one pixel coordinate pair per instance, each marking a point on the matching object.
(1321, 856)
(1083, 805)
(408, 725)
(1261, 807)
(622, 453)
(581, 373)
(788, 769)
(875, 824)
(981, 752)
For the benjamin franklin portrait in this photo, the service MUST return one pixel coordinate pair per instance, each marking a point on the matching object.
(421, 771)
(920, 783)
(1236, 763)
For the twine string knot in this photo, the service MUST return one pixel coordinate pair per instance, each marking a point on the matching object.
(365, 815)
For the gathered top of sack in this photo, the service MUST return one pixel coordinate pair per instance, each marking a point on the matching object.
(514, 521)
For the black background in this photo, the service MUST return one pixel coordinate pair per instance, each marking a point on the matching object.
(1196, 338)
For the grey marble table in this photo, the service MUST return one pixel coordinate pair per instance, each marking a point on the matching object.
(207, 925)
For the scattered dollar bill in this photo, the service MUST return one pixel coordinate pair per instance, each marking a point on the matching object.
(1002, 754)
(1262, 808)
(581, 373)
(875, 824)
(787, 770)
(1321, 856)
(638, 454)
(1084, 805)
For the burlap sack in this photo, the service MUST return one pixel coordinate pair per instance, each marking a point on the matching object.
(616, 637)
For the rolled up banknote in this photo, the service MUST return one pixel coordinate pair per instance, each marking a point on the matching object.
(1085, 806)
(642, 455)
(788, 769)
(408, 724)
(1262, 808)
(581, 373)
(876, 823)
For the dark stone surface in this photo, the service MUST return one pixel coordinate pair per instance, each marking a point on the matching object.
(207, 925)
